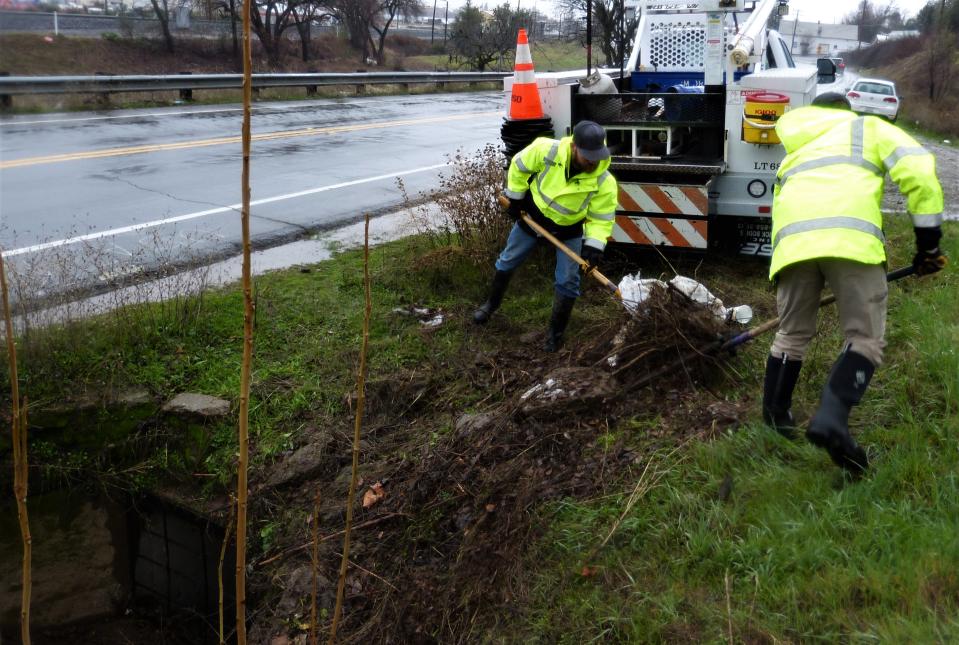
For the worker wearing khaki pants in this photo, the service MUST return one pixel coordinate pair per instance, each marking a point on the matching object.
(827, 229)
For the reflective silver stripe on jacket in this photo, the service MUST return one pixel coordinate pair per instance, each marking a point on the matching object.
(805, 226)
(548, 162)
(606, 217)
(900, 152)
(927, 221)
(513, 194)
(855, 158)
(519, 164)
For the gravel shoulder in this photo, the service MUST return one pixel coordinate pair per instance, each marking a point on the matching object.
(947, 168)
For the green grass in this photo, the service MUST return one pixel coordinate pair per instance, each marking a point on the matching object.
(306, 345)
(548, 56)
(808, 555)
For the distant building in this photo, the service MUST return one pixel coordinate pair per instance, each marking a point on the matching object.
(818, 39)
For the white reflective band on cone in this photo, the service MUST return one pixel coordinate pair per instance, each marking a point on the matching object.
(524, 78)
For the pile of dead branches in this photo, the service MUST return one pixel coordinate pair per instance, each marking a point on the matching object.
(668, 335)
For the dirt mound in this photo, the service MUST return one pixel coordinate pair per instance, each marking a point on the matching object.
(448, 498)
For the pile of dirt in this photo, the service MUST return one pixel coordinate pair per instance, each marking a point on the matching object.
(448, 499)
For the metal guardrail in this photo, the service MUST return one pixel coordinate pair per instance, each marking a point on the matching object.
(20, 85)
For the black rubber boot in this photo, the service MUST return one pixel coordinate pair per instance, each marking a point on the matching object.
(781, 377)
(562, 309)
(829, 428)
(500, 281)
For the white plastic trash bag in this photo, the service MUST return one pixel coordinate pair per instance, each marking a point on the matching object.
(636, 290)
(696, 292)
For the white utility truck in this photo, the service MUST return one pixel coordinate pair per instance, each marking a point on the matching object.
(691, 122)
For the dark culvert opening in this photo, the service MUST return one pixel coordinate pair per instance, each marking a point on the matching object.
(115, 569)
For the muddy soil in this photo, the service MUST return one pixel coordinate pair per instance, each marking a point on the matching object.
(449, 499)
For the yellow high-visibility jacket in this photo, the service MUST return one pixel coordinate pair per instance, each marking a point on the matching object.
(592, 196)
(829, 186)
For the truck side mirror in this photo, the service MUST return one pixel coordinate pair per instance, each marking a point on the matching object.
(825, 71)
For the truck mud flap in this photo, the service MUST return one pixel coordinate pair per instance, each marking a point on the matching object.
(663, 215)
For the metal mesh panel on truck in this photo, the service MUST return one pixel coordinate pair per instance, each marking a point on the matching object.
(675, 43)
(651, 108)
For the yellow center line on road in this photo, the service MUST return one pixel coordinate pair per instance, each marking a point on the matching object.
(269, 136)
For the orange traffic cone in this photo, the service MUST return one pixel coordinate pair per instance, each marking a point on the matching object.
(524, 102)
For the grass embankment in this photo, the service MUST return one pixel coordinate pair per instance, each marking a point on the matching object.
(907, 63)
(753, 538)
(784, 550)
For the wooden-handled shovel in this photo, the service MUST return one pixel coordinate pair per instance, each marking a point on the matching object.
(584, 265)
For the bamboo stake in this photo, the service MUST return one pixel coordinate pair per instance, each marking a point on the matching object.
(316, 565)
(219, 571)
(244, 438)
(20, 473)
(357, 425)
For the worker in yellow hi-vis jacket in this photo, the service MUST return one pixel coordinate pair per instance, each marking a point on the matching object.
(827, 228)
(566, 187)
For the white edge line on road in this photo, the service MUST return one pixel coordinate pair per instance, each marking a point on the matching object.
(212, 211)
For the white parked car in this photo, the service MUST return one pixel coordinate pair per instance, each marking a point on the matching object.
(874, 96)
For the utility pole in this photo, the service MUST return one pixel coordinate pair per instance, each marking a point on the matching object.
(446, 22)
(589, 36)
(433, 22)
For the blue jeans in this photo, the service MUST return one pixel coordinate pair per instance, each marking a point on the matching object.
(520, 244)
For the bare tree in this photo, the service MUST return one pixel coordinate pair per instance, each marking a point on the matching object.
(304, 15)
(231, 7)
(609, 31)
(356, 15)
(269, 19)
(387, 12)
(162, 10)
(479, 41)
(362, 16)
(869, 18)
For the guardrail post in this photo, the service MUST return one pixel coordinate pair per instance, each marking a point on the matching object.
(311, 90)
(103, 98)
(361, 87)
(186, 94)
(6, 101)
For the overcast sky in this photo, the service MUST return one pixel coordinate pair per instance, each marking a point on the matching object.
(811, 10)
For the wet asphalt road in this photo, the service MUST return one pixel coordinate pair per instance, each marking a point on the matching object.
(315, 164)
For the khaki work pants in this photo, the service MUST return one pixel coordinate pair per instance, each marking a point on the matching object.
(861, 292)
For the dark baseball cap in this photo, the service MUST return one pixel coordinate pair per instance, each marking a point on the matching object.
(833, 100)
(590, 139)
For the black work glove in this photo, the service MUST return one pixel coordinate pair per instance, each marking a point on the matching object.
(591, 255)
(515, 208)
(928, 259)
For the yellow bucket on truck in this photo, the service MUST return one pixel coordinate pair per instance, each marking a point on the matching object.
(760, 114)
